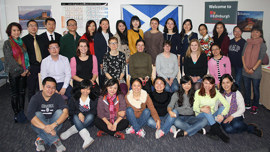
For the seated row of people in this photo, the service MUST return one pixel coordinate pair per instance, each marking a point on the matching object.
(184, 113)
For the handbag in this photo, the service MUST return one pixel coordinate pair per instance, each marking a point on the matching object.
(265, 60)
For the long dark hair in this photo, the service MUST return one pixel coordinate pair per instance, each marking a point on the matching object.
(215, 34)
(211, 79)
(109, 83)
(99, 27)
(175, 29)
(182, 33)
(87, 33)
(83, 85)
(234, 86)
(123, 36)
(181, 91)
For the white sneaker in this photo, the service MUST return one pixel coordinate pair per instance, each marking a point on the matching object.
(175, 133)
(173, 129)
(130, 130)
(141, 133)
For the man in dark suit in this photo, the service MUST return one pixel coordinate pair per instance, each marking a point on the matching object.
(36, 52)
(50, 34)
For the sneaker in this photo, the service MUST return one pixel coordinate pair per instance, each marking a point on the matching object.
(101, 133)
(202, 131)
(159, 133)
(59, 146)
(173, 129)
(258, 132)
(39, 144)
(180, 133)
(254, 110)
(248, 106)
(130, 130)
(119, 135)
(141, 133)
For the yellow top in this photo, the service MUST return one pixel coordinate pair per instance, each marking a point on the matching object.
(132, 38)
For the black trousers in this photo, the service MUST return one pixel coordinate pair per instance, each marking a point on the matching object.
(32, 81)
(17, 93)
(101, 125)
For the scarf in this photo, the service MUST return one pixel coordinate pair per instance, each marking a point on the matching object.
(233, 104)
(20, 56)
(220, 39)
(112, 108)
(252, 52)
(137, 103)
(137, 31)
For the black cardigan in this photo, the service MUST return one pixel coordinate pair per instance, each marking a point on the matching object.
(197, 69)
(100, 46)
(74, 107)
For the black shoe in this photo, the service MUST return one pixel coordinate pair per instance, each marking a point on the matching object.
(258, 132)
(202, 131)
(179, 133)
(255, 126)
(15, 118)
(212, 136)
(216, 130)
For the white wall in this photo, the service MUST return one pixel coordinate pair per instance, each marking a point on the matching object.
(193, 9)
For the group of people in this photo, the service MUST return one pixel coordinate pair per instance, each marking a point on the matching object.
(99, 95)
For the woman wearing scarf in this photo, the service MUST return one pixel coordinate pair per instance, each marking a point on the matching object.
(220, 36)
(252, 56)
(17, 65)
(111, 111)
(234, 120)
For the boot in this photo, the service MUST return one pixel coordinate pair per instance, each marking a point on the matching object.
(88, 140)
(72, 130)
(216, 130)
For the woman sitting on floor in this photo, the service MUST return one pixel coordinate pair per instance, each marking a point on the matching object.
(137, 99)
(83, 109)
(161, 99)
(180, 107)
(205, 101)
(111, 111)
(234, 120)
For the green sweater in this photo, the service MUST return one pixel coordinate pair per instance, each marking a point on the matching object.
(140, 65)
(200, 101)
(68, 45)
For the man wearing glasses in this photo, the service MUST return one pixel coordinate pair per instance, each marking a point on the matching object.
(57, 66)
(47, 111)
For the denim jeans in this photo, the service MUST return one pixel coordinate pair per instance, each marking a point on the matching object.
(48, 138)
(256, 90)
(137, 123)
(211, 117)
(174, 87)
(166, 122)
(190, 124)
(238, 76)
(88, 119)
(237, 125)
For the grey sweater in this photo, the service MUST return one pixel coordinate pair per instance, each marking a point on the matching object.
(185, 109)
(167, 67)
(258, 72)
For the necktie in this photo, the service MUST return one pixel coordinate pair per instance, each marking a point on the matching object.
(51, 37)
(37, 50)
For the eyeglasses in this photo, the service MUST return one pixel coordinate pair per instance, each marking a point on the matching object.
(72, 25)
(52, 48)
(113, 43)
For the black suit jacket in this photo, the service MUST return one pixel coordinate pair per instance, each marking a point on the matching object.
(28, 40)
(46, 41)
(100, 46)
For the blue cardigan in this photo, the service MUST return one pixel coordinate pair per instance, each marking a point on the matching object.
(185, 42)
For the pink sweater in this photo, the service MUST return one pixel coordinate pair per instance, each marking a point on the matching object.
(73, 66)
(224, 67)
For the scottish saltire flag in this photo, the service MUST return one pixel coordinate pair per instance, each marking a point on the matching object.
(146, 12)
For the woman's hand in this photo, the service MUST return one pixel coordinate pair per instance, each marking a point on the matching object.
(81, 117)
(171, 81)
(205, 109)
(229, 119)
(172, 114)
(158, 124)
(219, 118)
(114, 126)
(110, 126)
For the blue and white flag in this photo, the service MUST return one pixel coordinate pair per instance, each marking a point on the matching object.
(146, 12)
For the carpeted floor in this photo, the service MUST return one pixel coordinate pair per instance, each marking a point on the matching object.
(16, 137)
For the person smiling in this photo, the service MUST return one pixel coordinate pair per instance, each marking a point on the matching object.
(206, 41)
(134, 34)
(234, 120)
(220, 36)
(90, 31)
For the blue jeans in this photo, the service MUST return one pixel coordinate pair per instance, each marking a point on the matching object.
(48, 138)
(166, 122)
(237, 125)
(238, 76)
(211, 117)
(81, 125)
(137, 123)
(256, 90)
(190, 124)
(174, 87)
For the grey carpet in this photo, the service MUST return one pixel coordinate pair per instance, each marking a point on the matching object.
(16, 137)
